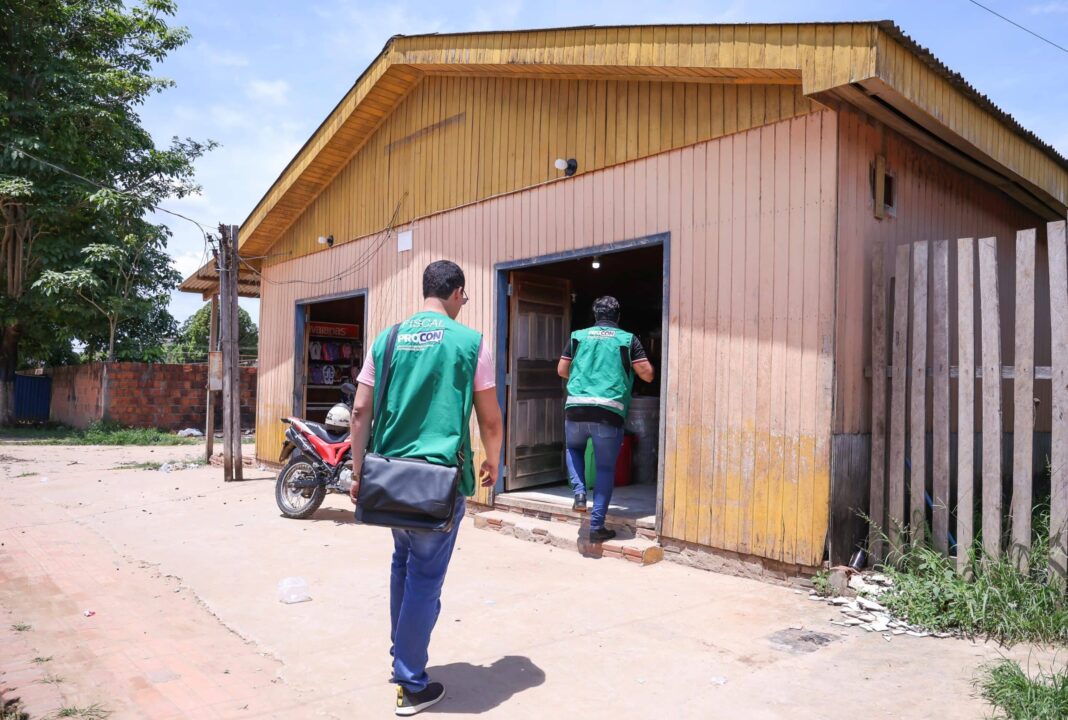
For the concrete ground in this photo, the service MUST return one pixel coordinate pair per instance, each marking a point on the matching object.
(181, 571)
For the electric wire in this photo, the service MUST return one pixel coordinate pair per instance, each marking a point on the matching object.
(1013, 22)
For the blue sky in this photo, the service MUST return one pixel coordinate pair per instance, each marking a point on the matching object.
(259, 76)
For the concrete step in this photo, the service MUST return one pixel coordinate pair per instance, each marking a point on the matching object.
(570, 536)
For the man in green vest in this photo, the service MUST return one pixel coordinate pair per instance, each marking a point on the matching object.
(439, 372)
(600, 363)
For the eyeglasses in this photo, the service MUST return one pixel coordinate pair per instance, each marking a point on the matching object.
(463, 294)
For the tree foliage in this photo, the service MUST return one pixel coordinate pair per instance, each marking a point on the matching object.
(78, 175)
(191, 343)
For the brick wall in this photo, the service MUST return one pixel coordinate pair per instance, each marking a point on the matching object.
(76, 394)
(169, 397)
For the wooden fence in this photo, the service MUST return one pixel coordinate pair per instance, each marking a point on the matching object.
(912, 363)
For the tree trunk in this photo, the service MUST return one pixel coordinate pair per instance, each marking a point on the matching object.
(112, 322)
(9, 362)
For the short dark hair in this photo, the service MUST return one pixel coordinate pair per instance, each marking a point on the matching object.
(606, 308)
(441, 279)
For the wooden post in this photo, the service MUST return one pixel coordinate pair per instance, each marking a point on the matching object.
(235, 354)
(213, 340)
(224, 338)
(965, 399)
(992, 424)
(1058, 283)
(918, 399)
(1023, 421)
(899, 349)
(877, 504)
(940, 389)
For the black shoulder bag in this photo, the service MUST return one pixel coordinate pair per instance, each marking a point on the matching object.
(405, 493)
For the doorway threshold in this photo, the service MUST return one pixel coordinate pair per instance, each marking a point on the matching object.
(632, 506)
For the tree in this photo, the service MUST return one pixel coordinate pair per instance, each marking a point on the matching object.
(77, 168)
(191, 343)
(120, 280)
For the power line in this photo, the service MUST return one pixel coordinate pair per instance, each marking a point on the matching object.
(357, 265)
(1013, 22)
(200, 226)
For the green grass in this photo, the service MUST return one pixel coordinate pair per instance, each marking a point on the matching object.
(821, 582)
(138, 466)
(1017, 695)
(994, 600)
(95, 434)
(21, 627)
(93, 712)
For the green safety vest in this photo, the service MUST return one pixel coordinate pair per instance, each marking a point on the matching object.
(598, 377)
(427, 413)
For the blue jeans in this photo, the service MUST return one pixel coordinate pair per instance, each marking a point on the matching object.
(420, 560)
(607, 441)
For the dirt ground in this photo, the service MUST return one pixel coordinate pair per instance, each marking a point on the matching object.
(179, 573)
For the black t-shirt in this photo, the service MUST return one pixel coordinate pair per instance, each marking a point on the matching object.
(627, 356)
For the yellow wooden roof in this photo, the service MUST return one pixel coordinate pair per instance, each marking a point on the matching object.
(871, 65)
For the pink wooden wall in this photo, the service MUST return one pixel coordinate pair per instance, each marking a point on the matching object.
(749, 387)
(935, 201)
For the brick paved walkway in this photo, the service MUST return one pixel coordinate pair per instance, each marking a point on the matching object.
(149, 651)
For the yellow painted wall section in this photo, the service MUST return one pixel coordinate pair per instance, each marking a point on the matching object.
(455, 140)
(749, 379)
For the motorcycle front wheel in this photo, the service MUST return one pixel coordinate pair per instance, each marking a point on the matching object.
(294, 502)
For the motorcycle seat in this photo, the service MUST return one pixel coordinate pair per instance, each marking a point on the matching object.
(323, 434)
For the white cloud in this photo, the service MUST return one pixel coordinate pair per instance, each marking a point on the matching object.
(188, 262)
(275, 92)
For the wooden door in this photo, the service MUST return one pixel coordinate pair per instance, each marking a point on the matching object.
(539, 324)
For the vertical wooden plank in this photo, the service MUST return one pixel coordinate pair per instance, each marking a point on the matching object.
(787, 526)
(213, 341)
(780, 331)
(918, 395)
(965, 399)
(940, 388)
(765, 319)
(990, 312)
(877, 497)
(1023, 421)
(1058, 283)
(710, 295)
(899, 362)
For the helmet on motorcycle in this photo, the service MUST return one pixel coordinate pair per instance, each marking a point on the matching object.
(337, 420)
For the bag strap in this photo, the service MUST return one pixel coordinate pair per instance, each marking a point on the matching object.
(383, 380)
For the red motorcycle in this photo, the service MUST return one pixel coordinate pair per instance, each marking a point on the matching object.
(319, 459)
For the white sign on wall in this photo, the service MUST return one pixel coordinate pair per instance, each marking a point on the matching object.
(404, 241)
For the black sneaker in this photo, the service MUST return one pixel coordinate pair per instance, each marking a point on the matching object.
(580, 503)
(601, 534)
(410, 703)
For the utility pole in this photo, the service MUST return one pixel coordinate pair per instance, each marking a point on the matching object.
(235, 353)
(228, 331)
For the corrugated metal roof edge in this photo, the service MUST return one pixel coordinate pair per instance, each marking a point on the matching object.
(957, 80)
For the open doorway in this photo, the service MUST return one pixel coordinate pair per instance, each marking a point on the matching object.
(330, 348)
(545, 300)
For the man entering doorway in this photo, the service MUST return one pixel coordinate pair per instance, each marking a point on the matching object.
(440, 370)
(599, 363)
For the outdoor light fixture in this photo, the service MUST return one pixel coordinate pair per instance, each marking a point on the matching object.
(328, 240)
(596, 264)
(569, 166)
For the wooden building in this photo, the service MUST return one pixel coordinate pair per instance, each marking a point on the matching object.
(732, 181)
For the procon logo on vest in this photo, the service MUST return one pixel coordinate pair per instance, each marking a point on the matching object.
(422, 338)
(602, 333)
